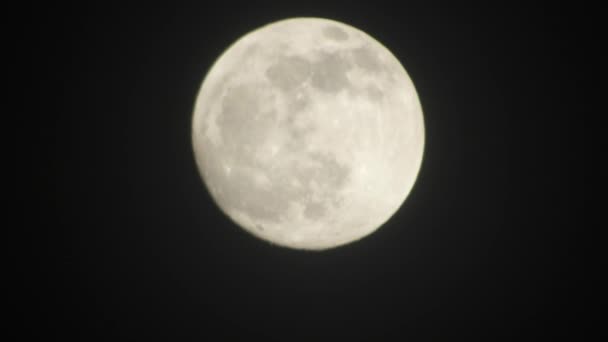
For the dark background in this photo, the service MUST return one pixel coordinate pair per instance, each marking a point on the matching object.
(129, 245)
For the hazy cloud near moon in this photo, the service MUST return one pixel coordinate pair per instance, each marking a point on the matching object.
(304, 134)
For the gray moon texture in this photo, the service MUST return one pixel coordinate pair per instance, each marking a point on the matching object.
(308, 133)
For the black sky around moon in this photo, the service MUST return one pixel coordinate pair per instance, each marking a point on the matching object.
(129, 245)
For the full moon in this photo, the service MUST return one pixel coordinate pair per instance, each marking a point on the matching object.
(308, 133)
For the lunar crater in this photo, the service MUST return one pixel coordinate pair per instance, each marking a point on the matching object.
(329, 73)
(367, 59)
(246, 118)
(335, 33)
(288, 72)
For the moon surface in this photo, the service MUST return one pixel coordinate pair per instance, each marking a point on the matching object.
(308, 133)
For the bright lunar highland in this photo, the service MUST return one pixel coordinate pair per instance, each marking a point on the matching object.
(308, 133)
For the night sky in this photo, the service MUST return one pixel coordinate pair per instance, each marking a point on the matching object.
(130, 246)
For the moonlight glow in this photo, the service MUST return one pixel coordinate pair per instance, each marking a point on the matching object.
(308, 133)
